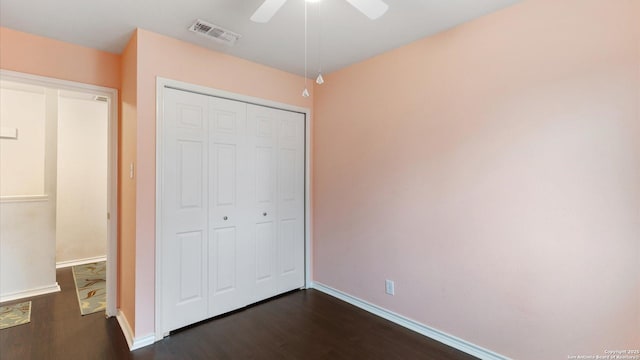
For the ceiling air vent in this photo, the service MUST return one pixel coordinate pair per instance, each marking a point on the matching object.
(214, 32)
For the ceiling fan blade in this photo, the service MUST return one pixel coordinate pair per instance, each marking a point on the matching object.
(372, 8)
(266, 11)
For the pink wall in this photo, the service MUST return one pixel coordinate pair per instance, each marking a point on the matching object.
(127, 194)
(42, 56)
(638, 149)
(493, 172)
(166, 57)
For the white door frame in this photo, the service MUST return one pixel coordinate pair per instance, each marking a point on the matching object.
(161, 84)
(112, 166)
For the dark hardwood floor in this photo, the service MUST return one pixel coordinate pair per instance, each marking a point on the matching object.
(298, 325)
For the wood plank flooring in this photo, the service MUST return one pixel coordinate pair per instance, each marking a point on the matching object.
(299, 325)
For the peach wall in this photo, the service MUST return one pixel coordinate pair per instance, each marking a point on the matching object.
(637, 341)
(493, 172)
(638, 149)
(42, 56)
(127, 194)
(169, 58)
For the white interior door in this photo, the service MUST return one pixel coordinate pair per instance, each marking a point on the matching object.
(232, 214)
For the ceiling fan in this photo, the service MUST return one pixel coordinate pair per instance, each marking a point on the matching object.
(373, 9)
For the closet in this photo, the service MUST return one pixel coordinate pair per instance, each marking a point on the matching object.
(231, 205)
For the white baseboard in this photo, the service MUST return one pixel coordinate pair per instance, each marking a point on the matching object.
(30, 292)
(68, 263)
(124, 326)
(403, 321)
(133, 342)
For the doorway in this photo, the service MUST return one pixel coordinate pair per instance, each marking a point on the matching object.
(81, 164)
(81, 196)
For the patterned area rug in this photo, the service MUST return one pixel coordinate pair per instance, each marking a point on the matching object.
(91, 284)
(16, 314)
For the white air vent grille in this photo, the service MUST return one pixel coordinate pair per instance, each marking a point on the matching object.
(101, 98)
(214, 32)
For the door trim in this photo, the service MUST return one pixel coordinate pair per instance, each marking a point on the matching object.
(161, 85)
(112, 166)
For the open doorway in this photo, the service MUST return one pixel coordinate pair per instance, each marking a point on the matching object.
(78, 151)
(81, 194)
(81, 186)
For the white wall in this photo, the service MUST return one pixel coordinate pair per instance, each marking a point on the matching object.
(27, 248)
(81, 224)
(27, 223)
(22, 159)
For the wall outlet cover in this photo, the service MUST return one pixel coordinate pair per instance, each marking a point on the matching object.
(390, 287)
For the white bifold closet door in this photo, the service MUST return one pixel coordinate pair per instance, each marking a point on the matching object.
(232, 205)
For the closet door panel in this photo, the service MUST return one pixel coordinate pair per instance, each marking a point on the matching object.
(290, 201)
(184, 209)
(262, 192)
(228, 242)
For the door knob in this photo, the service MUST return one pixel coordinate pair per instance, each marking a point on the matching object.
(264, 214)
(225, 218)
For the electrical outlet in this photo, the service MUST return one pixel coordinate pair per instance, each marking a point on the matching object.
(390, 287)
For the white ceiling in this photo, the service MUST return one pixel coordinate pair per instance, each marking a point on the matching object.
(347, 36)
